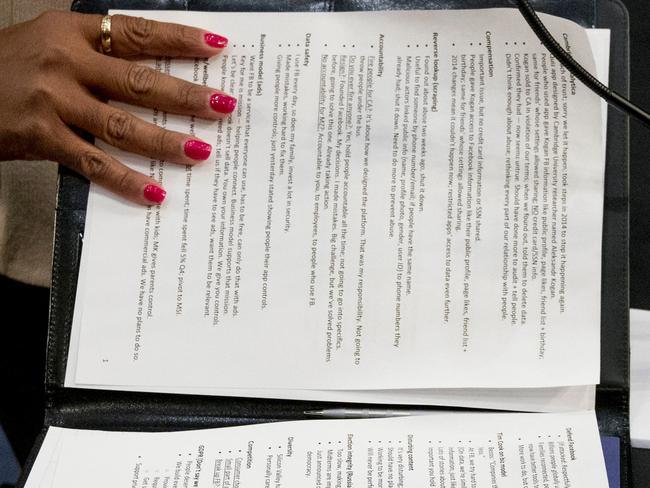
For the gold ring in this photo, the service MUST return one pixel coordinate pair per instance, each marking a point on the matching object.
(105, 34)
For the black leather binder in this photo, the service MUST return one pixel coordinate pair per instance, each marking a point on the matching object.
(112, 410)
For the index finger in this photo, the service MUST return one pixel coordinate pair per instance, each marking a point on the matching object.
(137, 36)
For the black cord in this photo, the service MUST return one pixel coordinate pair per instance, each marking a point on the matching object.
(609, 95)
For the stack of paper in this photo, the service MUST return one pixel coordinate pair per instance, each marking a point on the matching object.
(640, 378)
(406, 207)
(504, 450)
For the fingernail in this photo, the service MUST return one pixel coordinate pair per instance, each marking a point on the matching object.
(197, 150)
(223, 103)
(215, 40)
(154, 193)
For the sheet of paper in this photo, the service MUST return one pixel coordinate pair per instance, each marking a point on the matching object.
(560, 399)
(640, 378)
(573, 398)
(392, 208)
(504, 450)
(43, 470)
(599, 40)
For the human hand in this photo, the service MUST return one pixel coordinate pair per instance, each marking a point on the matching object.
(54, 79)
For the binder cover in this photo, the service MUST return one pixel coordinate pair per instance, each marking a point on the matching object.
(114, 410)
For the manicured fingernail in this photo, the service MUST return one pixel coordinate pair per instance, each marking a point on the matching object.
(197, 150)
(223, 104)
(154, 193)
(215, 40)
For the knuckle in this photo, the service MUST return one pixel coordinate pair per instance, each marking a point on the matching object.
(55, 57)
(42, 95)
(140, 80)
(189, 95)
(123, 181)
(55, 36)
(39, 128)
(186, 35)
(31, 136)
(162, 142)
(51, 17)
(94, 166)
(138, 32)
(118, 126)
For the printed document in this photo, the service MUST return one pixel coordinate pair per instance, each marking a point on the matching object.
(402, 200)
(446, 449)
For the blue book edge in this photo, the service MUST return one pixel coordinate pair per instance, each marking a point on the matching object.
(612, 454)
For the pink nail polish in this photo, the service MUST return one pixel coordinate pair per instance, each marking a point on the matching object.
(154, 193)
(215, 40)
(197, 150)
(223, 104)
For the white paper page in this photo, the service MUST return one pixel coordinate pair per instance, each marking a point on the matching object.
(599, 40)
(560, 399)
(640, 378)
(397, 329)
(43, 471)
(511, 450)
